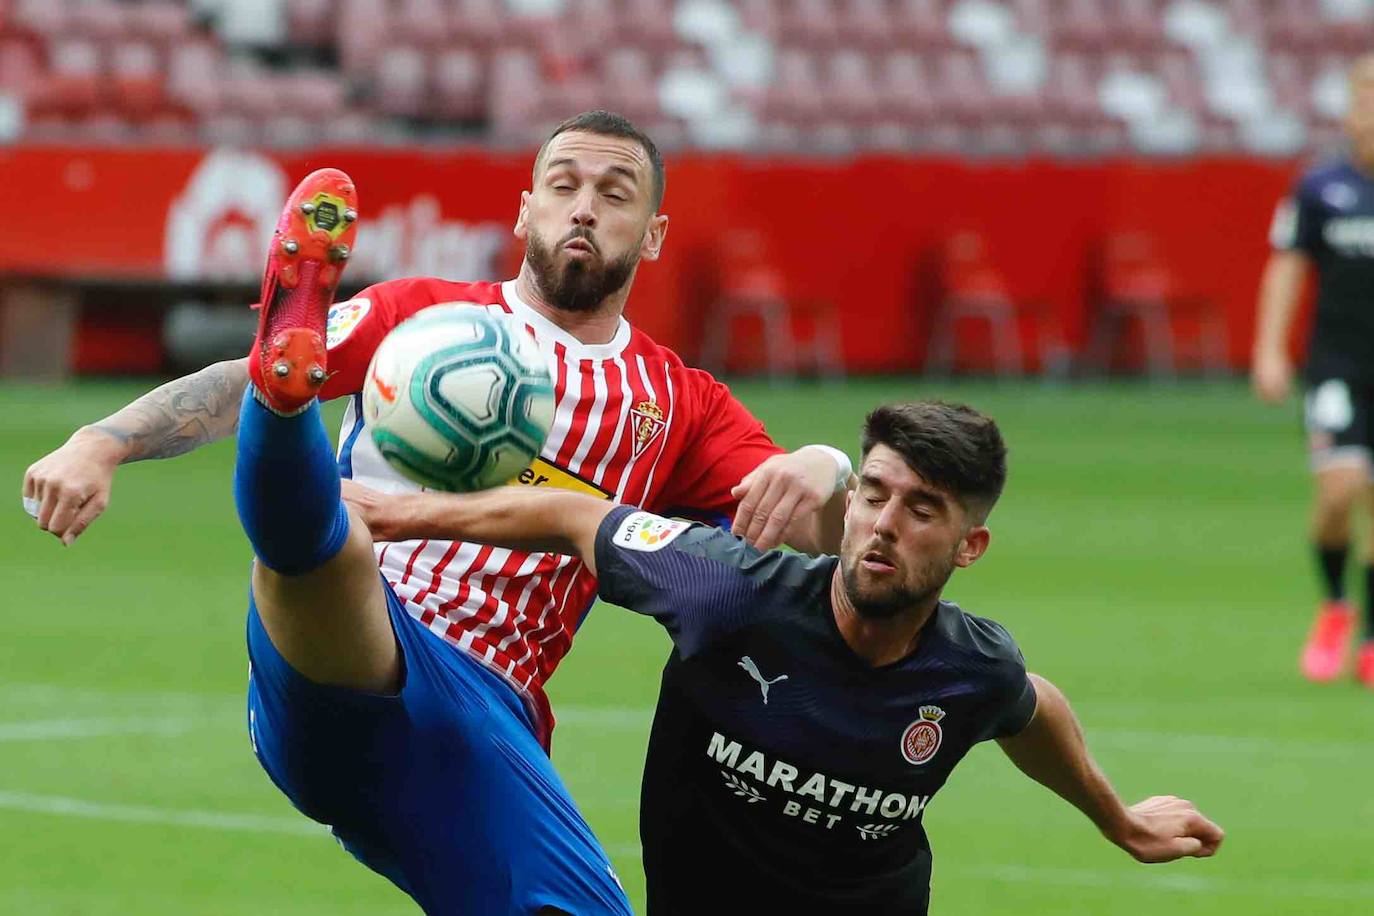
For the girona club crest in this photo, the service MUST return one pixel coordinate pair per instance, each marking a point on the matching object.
(921, 739)
(646, 420)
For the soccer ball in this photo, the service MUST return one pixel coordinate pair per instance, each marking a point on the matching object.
(458, 398)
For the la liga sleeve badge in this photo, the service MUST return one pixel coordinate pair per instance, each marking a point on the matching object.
(922, 738)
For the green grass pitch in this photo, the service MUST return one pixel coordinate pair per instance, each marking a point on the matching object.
(1148, 554)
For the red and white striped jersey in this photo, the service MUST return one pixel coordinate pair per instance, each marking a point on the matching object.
(632, 424)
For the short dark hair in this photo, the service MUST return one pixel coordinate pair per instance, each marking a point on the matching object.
(610, 124)
(952, 446)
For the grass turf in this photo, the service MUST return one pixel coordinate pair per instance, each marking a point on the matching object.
(1148, 554)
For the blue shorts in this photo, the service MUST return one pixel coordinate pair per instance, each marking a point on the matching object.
(442, 788)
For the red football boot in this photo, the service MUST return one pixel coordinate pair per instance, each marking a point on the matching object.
(308, 253)
(1323, 658)
(1364, 664)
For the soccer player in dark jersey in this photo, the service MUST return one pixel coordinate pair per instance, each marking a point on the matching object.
(1327, 225)
(813, 707)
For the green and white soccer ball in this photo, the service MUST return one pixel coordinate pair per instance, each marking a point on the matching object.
(459, 398)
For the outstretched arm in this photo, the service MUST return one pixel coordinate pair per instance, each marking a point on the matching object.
(517, 518)
(1051, 751)
(69, 488)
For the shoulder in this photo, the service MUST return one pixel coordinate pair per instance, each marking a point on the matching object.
(414, 293)
(1317, 176)
(640, 532)
(983, 642)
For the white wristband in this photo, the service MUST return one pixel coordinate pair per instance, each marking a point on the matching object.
(843, 466)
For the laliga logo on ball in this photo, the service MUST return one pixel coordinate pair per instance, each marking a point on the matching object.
(922, 738)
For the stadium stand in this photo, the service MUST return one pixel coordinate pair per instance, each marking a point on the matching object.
(991, 77)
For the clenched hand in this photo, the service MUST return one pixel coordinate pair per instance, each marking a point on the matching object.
(1163, 828)
(70, 487)
(782, 489)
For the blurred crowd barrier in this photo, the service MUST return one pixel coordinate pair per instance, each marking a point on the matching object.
(873, 264)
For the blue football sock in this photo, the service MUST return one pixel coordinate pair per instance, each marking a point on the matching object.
(286, 487)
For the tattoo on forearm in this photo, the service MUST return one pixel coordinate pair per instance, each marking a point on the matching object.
(182, 415)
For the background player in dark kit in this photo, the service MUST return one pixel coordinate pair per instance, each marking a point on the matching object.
(1327, 224)
(812, 707)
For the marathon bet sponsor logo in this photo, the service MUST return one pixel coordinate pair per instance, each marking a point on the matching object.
(816, 797)
(646, 532)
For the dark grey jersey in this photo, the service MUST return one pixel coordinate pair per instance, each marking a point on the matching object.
(1330, 217)
(784, 773)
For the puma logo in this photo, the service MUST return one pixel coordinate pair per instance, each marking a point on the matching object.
(388, 392)
(752, 670)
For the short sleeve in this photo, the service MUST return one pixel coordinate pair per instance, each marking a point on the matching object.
(354, 330)
(1014, 704)
(727, 442)
(699, 582)
(1297, 222)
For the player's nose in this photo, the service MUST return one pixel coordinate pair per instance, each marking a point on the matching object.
(584, 211)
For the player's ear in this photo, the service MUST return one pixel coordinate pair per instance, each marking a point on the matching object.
(973, 546)
(522, 217)
(653, 237)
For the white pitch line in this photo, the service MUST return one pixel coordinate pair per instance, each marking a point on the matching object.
(1146, 879)
(139, 814)
(60, 729)
(1152, 878)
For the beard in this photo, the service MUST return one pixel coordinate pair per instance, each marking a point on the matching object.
(883, 601)
(578, 286)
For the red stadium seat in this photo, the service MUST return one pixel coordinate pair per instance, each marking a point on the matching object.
(648, 24)
(315, 94)
(229, 130)
(21, 66)
(1082, 25)
(249, 89)
(1033, 17)
(972, 288)
(478, 24)
(809, 23)
(401, 82)
(193, 75)
(850, 89)
(1134, 286)
(137, 77)
(905, 92)
(961, 92)
(752, 288)
(310, 23)
(920, 25)
(761, 16)
(361, 34)
(866, 24)
(100, 20)
(75, 83)
(43, 17)
(459, 86)
(628, 84)
(159, 21)
(419, 23)
(796, 90)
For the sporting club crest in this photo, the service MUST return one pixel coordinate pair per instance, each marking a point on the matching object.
(921, 739)
(646, 420)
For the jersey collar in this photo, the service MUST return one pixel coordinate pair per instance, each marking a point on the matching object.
(547, 330)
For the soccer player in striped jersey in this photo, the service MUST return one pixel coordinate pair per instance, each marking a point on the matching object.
(633, 424)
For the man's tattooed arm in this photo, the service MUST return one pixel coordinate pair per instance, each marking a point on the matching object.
(180, 416)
